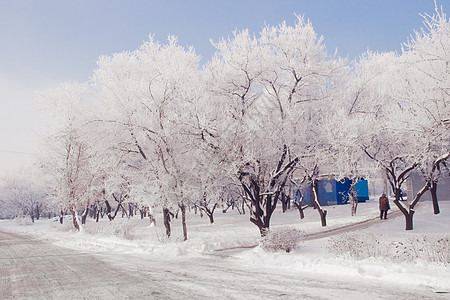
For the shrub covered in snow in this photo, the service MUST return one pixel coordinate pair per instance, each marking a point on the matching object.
(357, 245)
(23, 220)
(281, 239)
(428, 247)
(121, 229)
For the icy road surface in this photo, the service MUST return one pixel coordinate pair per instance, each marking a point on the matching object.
(33, 269)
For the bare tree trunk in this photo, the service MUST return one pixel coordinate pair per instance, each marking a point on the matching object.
(92, 211)
(322, 212)
(38, 211)
(225, 209)
(262, 198)
(209, 212)
(409, 220)
(288, 197)
(152, 219)
(76, 221)
(408, 211)
(211, 218)
(143, 212)
(433, 179)
(299, 205)
(242, 209)
(130, 210)
(433, 191)
(396, 178)
(84, 215)
(183, 221)
(353, 197)
(108, 210)
(284, 200)
(323, 217)
(61, 217)
(166, 215)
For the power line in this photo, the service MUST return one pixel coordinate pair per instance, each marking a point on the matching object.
(17, 152)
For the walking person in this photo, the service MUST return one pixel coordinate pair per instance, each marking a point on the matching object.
(384, 206)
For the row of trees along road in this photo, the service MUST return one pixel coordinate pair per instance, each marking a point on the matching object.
(154, 128)
(24, 196)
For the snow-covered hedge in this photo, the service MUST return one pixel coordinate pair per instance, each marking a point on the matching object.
(358, 245)
(122, 229)
(428, 247)
(23, 220)
(281, 239)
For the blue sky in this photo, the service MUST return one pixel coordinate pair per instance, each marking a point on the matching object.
(47, 42)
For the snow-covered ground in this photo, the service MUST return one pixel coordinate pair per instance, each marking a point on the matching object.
(234, 236)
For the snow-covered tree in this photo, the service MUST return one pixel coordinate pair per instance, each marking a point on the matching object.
(393, 130)
(272, 90)
(66, 156)
(301, 91)
(152, 100)
(24, 194)
(153, 131)
(427, 95)
(419, 110)
(384, 133)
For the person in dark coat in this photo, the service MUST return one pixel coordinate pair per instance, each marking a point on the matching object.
(384, 206)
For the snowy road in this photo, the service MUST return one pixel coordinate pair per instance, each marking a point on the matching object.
(33, 269)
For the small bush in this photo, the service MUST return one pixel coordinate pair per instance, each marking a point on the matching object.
(281, 239)
(65, 227)
(162, 236)
(23, 221)
(123, 230)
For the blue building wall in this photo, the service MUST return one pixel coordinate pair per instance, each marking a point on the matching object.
(332, 192)
(327, 192)
(362, 190)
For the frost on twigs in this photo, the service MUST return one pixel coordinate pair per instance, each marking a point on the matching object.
(357, 245)
(162, 237)
(281, 239)
(427, 247)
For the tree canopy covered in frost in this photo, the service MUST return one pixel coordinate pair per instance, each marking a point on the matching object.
(154, 130)
(400, 106)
